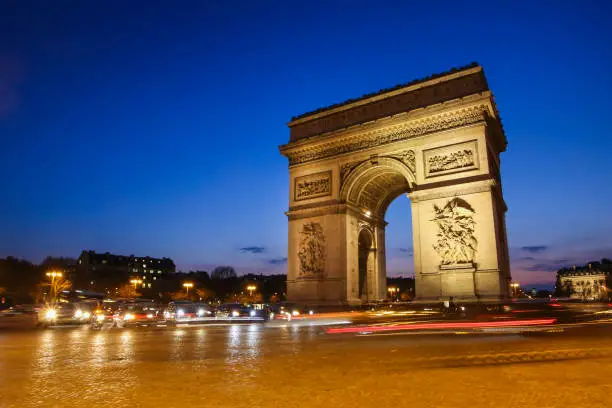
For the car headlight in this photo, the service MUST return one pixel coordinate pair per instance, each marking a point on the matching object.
(252, 313)
(86, 315)
(100, 317)
(235, 313)
(128, 316)
(310, 312)
(200, 312)
(78, 313)
(295, 313)
(149, 315)
(271, 315)
(51, 314)
(180, 313)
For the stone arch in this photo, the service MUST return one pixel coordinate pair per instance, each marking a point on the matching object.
(438, 139)
(366, 263)
(375, 183)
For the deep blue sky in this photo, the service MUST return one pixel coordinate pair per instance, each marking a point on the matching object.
(151, 128)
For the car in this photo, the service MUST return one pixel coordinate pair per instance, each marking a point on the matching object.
(19, 317)
(241, 312)
(290, 310)
(139, 313)
(183, 311)
(70, 313)
(105, 315)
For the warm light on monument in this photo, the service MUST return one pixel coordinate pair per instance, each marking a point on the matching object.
(438, 141)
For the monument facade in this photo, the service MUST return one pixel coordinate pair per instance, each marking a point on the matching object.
(438, 140)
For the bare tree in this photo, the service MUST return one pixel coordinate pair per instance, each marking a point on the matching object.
(223, 272)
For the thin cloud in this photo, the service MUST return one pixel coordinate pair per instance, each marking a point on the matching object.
(277, 261)
(534, 249)
(253, 249)
(550, 266)
(407, 251)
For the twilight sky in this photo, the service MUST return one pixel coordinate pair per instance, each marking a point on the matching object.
(151, 127)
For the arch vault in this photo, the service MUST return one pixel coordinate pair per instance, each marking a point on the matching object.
(437, 140)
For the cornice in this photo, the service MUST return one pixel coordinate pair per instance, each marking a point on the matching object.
(471, 188)
(385, 94)
(307, 152)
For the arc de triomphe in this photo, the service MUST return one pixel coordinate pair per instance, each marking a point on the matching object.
(438, 140)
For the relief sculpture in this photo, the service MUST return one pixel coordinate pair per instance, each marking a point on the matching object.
(408, 158)
(312, 186)
(312, 250)
(456, 242)
(451, 161)
(346, 168)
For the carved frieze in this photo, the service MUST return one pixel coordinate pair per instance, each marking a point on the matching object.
(451, 159)
(456, 243)
(312, 186)
(407, 157)
(391, 105)
(415, 128)
(346, 169)
(311, 250)
(480, 187)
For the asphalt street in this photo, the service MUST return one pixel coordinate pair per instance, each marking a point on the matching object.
(300, 364)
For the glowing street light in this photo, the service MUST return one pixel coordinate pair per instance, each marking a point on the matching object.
(251, 289)
(393, 291)
(187, 286)
(54, 274)
(136, 282)
(53, 288)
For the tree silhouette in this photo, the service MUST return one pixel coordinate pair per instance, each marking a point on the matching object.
(223, 272)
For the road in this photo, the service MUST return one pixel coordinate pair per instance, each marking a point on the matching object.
(298, 364)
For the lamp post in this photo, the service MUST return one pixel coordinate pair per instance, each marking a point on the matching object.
(251, 289)
(515, 288)
(53, 275)
(135, 282)
(393, 292)
(187, 286)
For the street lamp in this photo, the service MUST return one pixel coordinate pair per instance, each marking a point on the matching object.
(135, 282)
(392, 291)
(251, 289)
(187, 286)
(515, 288)
(53, 275)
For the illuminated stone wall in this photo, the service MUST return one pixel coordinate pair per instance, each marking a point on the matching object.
(445, 156)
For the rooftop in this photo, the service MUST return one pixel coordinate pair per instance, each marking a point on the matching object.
(385, 90)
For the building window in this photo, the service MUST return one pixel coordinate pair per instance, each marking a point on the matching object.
(155, 277)
(159, 272)
(148, 285)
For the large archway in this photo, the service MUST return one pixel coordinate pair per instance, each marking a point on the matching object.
(437, 140)
(369, 188)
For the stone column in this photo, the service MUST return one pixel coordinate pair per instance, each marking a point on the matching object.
(381, 263)
(457, 243)
(317, 258)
